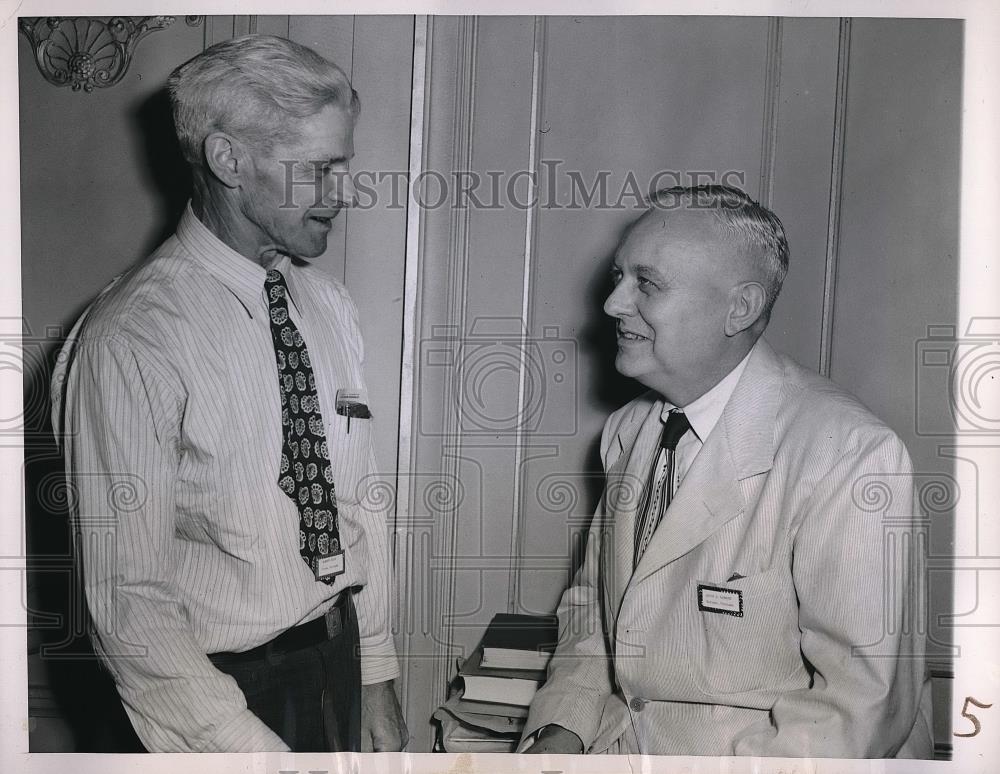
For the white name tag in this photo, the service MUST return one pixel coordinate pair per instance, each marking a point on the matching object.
(713, 599)
(329, 566)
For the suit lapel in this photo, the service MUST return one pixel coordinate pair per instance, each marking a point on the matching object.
(708, 498)
(741, 445)
(638, 436)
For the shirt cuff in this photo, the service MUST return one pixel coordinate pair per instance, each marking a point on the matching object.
(246, 733)
(528, 740)
(378, 660)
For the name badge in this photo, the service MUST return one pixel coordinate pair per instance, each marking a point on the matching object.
(330, 566)
(713, 599)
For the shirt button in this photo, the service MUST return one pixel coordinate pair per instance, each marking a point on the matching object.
(636, 704)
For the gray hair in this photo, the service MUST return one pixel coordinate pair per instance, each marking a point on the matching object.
(748, 223)
(250, 87)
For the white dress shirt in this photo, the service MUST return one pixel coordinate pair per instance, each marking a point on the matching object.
(166, 397)
(703, 414)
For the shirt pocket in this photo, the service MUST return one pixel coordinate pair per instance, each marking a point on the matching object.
(744, 633)
(350, 448)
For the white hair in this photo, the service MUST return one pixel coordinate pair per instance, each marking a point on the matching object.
(250, 87)
(750, 224)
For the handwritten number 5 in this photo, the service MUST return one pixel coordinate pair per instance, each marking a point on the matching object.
(966, 714)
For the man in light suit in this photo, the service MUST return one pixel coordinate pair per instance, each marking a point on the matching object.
(737, 596)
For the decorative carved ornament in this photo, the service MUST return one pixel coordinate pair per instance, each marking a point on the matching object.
(87, 53)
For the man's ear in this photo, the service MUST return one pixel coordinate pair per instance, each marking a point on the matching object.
(746, 305)
(225, 158)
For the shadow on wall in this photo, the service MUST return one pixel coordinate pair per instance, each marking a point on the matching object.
(73, 705)
(610, 390)
(166, 171)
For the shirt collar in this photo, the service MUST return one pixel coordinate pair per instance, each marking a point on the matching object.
(241, 276)
(705, 412)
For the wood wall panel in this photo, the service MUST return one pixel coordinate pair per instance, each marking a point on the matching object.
(493, 299)
(375, 235)
(899, 232)
(899, 259)
(801, 184)
(428, 523)
(274, 25)
(651, 102)
(466, 374)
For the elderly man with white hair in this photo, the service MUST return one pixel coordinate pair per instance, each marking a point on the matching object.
(234, 585)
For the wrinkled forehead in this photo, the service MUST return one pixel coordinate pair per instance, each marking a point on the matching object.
(327, 131)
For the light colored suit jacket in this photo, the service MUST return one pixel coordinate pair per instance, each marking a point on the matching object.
(798, 510)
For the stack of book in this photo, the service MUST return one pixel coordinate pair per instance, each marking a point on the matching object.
(495, 685)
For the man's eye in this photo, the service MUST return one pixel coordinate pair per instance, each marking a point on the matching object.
(644, 283)
(616, 276)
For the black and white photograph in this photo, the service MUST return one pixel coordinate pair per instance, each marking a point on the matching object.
(479, 384)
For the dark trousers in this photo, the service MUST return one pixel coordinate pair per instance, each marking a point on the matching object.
(309, 696)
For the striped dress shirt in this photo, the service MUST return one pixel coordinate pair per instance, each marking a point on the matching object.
(166, 400)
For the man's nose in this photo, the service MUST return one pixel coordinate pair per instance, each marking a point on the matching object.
(619, 302)
(342, 191)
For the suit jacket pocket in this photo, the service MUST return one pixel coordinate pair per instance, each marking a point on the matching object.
(744, 633)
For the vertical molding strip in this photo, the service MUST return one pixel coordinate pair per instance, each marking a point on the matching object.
(446, 544)
(411, 278)
(772, 105)
(836, 199)
(529, 247)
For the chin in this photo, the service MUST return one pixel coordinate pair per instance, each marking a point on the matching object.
(307, 253)
(652, 380)
(625, 366)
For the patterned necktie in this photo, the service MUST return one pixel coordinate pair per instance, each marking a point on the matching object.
(305, 474)
(657, 494)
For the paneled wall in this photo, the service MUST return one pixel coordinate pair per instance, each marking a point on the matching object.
(536, 138)
(848, 129)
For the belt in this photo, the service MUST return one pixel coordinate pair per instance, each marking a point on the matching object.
(299, 637)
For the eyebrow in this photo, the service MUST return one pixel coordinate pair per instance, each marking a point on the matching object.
(650, 271)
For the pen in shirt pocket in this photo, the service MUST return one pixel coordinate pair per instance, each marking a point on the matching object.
(350, 404)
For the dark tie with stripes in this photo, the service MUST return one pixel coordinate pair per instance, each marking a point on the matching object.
(656, 496)
(305, 473)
